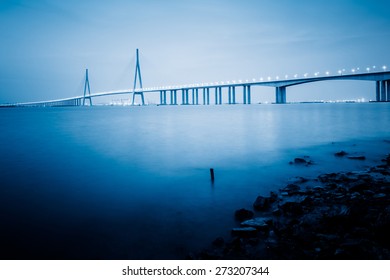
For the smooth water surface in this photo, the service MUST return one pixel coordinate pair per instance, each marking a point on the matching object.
(134, 182)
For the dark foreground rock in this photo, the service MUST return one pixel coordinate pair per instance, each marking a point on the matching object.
(334, 216)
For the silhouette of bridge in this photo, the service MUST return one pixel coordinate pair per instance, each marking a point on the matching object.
(224, 90)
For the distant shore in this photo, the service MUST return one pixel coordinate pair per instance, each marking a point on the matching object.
(342, 215)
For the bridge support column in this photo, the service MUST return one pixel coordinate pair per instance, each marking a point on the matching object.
(280, 93)
(244, 95)
(246, 92)
(230, 95)
(163, 97)
(208, 96)
(220, 95)
(388, 90)
(197, 96)
(173, 98)
(234, 95)
(184, 96)
(383, 91)
(216, 96)
(378, 91)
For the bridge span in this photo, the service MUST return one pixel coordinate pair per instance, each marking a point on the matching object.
(224, 92)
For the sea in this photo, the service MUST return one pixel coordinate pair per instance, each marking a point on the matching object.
(133, 182)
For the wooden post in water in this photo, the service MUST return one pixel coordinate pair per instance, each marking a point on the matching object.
(212, 174)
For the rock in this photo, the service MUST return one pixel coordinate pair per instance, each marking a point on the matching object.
(291, 208)
(273, 197)
(358, 186)
(244, 231)
(300, 161)
(243, 214)
(259, 223)
(379, 195)
(292, 189)
(357, 157)
(262, 203)
(341, 154)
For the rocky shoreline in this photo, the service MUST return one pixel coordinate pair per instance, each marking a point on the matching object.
(342, 215)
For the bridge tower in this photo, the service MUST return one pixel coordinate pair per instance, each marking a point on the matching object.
(86, 86)
(138, 74)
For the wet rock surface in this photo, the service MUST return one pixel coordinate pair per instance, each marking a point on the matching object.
(334, 216)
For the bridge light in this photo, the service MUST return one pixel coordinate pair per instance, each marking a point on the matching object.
(286, 76)
(254, 79)
(296, 75)
(368, 69)
(384, 67)
(340, 72)
(353, 70)
(305, 75)
(373, 67)
(277, 77)
(316, 74)
(327, 73)
(261, 79)
(240, 81)
(234, 81)
(269, 78)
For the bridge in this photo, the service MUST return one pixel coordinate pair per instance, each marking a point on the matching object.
(222, 90)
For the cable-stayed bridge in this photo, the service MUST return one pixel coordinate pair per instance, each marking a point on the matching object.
(231, 92)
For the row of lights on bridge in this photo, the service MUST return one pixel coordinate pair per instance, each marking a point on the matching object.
(295, 76)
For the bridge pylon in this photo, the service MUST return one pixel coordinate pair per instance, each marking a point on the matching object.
(87, 87)
(138, 74)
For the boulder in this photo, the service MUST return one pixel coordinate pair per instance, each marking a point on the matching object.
(243, 214)
(300, 161)
(262, 203)
(259, 223)
(292, 189)
(341, 154)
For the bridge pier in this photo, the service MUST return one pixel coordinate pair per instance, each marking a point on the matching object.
(218, 95)
(163, 97)
(195, 98)
(173, 97)
(206, 96)
(280, 93)
(232, 94)
(378, 91)
(388, 90)
(382, 91)
(184, 97)
(246, 95)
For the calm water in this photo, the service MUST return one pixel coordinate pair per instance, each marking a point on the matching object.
(133, 183)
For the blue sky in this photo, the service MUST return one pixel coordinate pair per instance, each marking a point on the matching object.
(46, 45)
